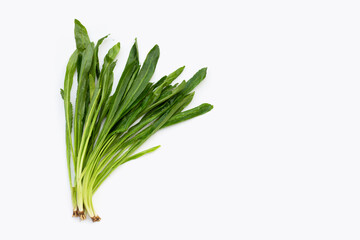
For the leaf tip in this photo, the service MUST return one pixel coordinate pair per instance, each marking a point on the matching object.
(181, 69)
(207, 106)
(78, 23)
(203, 72)
(135, 47)
(156, 48)
(136, 43)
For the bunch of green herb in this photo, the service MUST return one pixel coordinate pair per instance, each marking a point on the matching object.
(104, 130)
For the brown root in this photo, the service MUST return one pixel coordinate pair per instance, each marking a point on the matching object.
(82, 215)
(75, 213)
(96, 219)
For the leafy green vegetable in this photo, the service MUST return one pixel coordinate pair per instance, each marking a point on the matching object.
(104, 131)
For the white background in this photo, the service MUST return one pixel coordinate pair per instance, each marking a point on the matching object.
(277, 158)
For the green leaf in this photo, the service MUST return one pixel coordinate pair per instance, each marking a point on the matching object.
(127, 77)
(70, 71)
(191, 113)
(195, 80)
(95, 69)
(81, 96)
(142, 153)
(172, 76)
(96, 54)
(69, 75)
(110, 56)
(108, 80)
(81, 36)
(142, 79)
(134, 54)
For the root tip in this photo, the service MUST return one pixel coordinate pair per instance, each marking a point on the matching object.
(96, 219)
(75, 213)
(82, 215)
